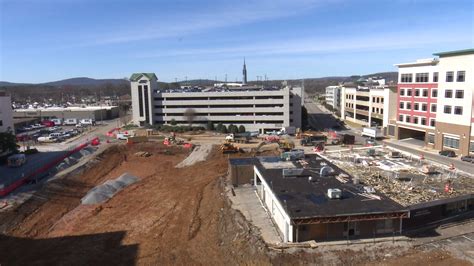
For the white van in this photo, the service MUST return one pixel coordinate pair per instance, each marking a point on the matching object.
(70, 121)
(45, 139)
(87, 122)
(57, 121)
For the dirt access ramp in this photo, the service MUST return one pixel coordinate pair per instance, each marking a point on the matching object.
(199, 154)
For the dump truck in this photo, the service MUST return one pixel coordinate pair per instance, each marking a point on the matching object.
(238, 137)
(312, 140)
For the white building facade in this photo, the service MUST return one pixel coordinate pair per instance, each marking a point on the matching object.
(255, 109)
(6, 113)
(435, 101)
(333, 97)
(368, 107)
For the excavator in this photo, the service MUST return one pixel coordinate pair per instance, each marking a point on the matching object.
(286, 144)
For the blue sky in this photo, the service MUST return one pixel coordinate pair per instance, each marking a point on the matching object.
(46, 40)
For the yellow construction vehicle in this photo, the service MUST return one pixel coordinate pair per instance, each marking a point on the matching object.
(229, 148)
(286, 144)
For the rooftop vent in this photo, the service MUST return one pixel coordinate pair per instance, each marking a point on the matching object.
(334, 193)
(326, 171)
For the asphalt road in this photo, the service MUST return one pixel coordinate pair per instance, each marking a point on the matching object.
(317, 118)
(458, 164)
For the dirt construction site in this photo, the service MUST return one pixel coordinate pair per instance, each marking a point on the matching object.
(176, 213)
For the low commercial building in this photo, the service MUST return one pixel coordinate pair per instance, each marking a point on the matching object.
(6, 113)
(435, 102)
(367, 105)
(311, 198)
(98, 113)
(256, 108)
(298, 196)
(333, 97)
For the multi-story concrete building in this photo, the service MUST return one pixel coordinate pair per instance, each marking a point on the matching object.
(333, 96)
(368, 106)
(435, 102)
(255, 108)
(6, 112)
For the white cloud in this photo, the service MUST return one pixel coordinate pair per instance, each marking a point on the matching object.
(313, 45)
(234, 13)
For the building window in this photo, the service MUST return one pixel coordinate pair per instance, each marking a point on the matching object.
(431, 138)
(471, 146)
(402, 92)
(423, 107)
(449, 76)
(461, 76)
(406, 78)
(407, 119)
(416, 106)
(450, 142)
(415, 120)
(459, 94)
(447, 109)
(381, 111)
(421, 77)
(433, 108)
(408, 106)
(381, 100)
(448, 94)
(435, 76)
(400, 118)
(402, 105)
(432, 122)
(409, 92)
(434, 93)
(458, 110)
(425, 92)
(423, 121)
(417, 93)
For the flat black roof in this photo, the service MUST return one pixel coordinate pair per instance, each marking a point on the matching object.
(305, 199)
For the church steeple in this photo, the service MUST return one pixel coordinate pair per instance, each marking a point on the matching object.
(244, 74)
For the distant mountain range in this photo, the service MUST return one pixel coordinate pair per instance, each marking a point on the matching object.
(81, 81)
(82, 86)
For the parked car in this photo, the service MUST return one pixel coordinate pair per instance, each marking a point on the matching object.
(47, 123)
(57, 121)
(447, 153)
(468, 158)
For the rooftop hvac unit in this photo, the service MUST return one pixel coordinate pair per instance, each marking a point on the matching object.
(326, 171)
(292, 172)
(334, 193)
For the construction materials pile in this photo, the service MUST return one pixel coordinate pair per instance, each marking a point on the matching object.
(407, 181)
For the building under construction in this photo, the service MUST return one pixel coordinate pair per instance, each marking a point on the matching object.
(310, 198)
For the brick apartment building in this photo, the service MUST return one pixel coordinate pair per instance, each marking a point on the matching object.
(435, 102)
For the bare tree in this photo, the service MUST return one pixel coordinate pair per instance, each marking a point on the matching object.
(190, 115)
